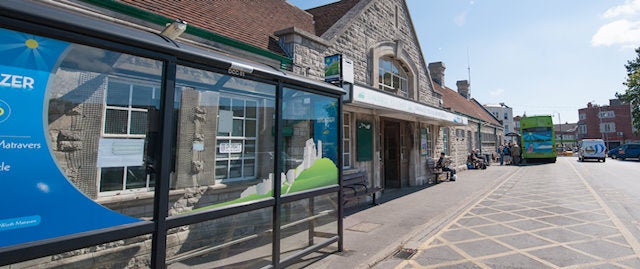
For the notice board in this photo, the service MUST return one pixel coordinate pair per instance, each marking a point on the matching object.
(364, 146)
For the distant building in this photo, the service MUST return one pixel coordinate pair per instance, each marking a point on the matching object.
(504, 114)
(566, 134)
(611, 122)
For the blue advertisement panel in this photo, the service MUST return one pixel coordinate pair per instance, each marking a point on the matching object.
(326, 126)
(332, 68)
(538, 147)
(38, 201)
(538, 136)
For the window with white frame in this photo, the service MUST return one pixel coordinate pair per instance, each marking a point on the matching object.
(125, 127)
(392, 77)
(241, 115)
(608, 127)
(445, 140)
(346, 141)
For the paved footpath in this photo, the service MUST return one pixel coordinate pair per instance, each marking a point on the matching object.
(405, 215)
(544, 216)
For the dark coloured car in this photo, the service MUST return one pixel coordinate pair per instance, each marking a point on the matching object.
(625, 151)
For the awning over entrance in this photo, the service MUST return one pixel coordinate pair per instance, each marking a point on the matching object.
(392, 106)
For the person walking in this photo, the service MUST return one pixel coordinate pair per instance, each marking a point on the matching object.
(501, 152)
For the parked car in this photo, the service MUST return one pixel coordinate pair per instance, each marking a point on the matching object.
(592, 149)
(613, 153)
(625, 151)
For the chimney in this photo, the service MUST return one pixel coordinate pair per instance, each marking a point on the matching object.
(437, 72)
(463, 88)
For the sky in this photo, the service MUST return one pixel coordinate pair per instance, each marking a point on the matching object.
(540, 57)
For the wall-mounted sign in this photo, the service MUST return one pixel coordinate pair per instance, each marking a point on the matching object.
(231, 148)
(364, 146)
(337, 68)
(424, 136)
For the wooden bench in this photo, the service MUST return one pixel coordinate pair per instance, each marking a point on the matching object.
(355, 185)
(437, 171)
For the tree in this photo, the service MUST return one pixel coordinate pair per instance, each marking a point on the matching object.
(632, 94)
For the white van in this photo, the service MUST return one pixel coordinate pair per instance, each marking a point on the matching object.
(592, 149)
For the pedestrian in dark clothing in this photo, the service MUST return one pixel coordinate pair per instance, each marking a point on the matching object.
(443, 164)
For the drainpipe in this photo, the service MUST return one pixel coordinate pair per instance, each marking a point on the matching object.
(480, 136)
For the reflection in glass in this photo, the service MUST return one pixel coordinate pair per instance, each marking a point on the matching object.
(224, 154)
(239, 241)
(307, 222)
(98, 95)
(310, 151)
(129, 253)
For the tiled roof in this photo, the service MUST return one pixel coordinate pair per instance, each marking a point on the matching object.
(327, 15)
(249, 21)
(457, 103)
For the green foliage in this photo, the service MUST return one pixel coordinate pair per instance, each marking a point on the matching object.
(632, 93)
(323, 173)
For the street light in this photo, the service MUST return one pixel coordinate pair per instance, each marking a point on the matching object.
(560, 125)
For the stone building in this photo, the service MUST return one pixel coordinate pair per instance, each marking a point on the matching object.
(391, 89)
(484, 132)
(250, 94)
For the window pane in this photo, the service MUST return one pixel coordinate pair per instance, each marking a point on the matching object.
(143, 97)
(225, 104)
(136, 177)
(111, 179)
(235, 168)
(237, 151)
(251, 109)
(118, 94)
(138, 122)
(315, 142)
(222, 169)
(238, 108)
(233, 134)
(249, 166)
(237, 128)
(396, 82)
(115, 121)
(387, 79)
(250, 126)
(249, 149)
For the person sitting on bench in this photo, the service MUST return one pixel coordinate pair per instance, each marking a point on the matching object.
(443, 163)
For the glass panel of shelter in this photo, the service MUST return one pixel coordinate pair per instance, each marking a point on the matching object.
(224, 140)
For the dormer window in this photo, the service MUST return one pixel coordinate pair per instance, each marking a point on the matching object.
(392, 77)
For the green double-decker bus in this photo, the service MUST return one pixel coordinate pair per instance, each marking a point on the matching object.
(538, 139)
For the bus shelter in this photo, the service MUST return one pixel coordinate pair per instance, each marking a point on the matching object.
(123, 148)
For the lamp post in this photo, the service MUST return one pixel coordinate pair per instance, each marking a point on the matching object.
(560, 126)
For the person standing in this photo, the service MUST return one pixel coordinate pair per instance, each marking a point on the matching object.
(501, 152)
(515, 154)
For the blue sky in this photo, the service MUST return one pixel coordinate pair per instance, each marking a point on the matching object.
(541, 57)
